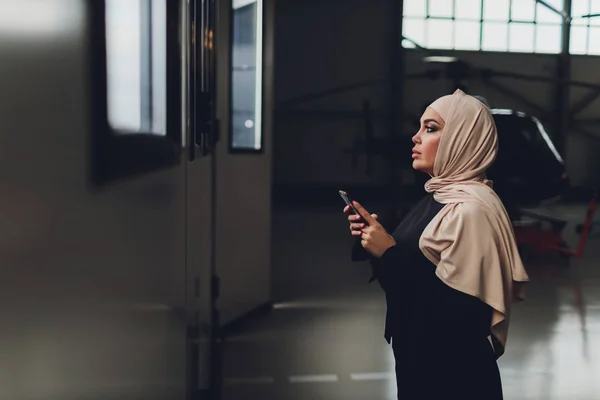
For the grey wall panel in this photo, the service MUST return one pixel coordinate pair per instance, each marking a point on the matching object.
(243, 193)
(92, 283)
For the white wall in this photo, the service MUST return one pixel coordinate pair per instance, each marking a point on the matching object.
(243, 193)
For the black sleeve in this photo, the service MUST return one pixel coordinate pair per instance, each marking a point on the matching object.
(385, 268)
(396, 265)
(358, 252)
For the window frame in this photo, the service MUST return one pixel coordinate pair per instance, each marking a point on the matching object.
(260, 30)
(114, 156)
(481, 21)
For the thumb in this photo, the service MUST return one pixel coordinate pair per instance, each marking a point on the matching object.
(363, 213)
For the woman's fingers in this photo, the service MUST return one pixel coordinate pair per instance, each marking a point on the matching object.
(354, 218)
(357, 227)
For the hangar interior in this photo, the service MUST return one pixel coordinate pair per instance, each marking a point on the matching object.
(171, 222)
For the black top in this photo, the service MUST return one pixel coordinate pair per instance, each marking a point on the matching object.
(439, 334)
(415, 296)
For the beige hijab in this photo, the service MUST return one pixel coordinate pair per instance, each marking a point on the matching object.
(471, 240)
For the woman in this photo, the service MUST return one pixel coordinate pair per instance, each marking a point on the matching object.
(451, 268)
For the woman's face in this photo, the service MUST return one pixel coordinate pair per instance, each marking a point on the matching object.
(427, 141)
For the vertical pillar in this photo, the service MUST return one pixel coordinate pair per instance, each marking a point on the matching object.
(395, 110)
(563, 88)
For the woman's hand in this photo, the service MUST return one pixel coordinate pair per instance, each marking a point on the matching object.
(374, 238)
(356, 221)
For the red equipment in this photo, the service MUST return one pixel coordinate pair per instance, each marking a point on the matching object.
(532, 235)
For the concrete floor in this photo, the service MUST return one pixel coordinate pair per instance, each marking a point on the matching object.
(324, 339)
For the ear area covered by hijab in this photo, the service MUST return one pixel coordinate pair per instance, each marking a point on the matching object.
(471, 240)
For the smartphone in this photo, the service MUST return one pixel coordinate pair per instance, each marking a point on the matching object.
(348, 201)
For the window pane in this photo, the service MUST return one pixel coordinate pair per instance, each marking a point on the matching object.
(414, 29)
(548, 39)
(440, 8)
(495, 36)
(159, 66)
(579, 8)
(439, 34)
(594, 47)
(523, 10)
(246, 75)
(496, 10)
(521, 37)
(415, 8)
(578, 40)
(466, 35)
(468, 9)
(136, 65)
(595, 9)
(544, 14)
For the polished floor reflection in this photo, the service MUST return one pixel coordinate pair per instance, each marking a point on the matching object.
(324, 338)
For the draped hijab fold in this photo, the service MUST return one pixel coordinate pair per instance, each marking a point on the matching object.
(471, 240)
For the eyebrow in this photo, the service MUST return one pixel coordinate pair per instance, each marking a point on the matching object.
(431, 120)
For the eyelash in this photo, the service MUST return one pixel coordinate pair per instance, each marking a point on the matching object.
(427, 129)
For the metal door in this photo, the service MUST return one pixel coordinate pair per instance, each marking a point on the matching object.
(200, 199)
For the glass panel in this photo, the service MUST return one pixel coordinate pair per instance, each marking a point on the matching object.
(159, 67)
(415, 8)
(466, 35)
(496, 10)
(595, 9)
(414, 29)
(548, 39)
(439, 34)
(594, 47)
(441, 8)
(544, 14)
(578, 40)
(522, 10)
(579, 8)
(246, 75)
(495, 36)
(468, 9)
(136, 65)
(521, 37)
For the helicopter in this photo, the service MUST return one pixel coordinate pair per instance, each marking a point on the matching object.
(528, 171)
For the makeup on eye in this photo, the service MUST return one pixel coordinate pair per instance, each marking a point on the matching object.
(430, 125)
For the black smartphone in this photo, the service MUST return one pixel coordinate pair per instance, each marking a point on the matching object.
(348, 201)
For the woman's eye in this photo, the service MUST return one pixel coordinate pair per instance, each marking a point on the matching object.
(429, 129)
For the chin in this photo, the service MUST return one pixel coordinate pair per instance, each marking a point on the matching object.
(418, 165)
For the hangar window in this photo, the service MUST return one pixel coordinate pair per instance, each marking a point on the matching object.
(483, 25)
(585, 27)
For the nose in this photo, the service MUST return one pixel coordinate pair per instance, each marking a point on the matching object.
(416, 138)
